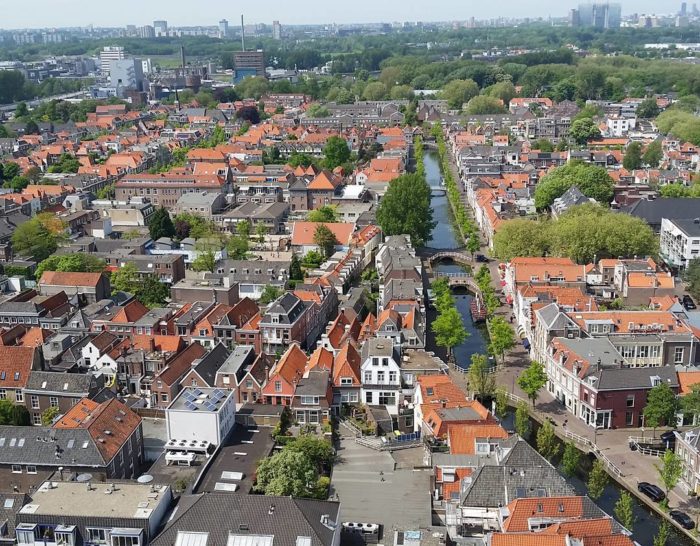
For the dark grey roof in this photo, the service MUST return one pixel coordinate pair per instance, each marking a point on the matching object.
(288, 306)
(522, 473)
(210, 363)
(611, 379)
(681, 208)
(285, 518)
(10, 504)
(40, 446)
(315, 383)
(570, 198)
(64, 383)
(691, 227)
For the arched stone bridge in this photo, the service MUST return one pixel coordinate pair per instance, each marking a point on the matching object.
(463, 280)
(454, 255)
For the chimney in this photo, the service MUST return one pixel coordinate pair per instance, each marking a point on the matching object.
(152, 344)
(242, 34)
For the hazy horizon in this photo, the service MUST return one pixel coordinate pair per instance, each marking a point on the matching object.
(80, 13)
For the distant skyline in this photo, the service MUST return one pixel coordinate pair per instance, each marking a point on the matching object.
(80, 13)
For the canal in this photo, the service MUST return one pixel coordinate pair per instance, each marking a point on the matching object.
(446, 236)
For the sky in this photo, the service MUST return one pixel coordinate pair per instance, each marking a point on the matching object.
(65, 13)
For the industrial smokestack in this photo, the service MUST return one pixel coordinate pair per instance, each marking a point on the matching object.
(182, 57)
(242, 35)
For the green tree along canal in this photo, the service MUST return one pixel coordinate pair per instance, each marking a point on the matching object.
(446, 236)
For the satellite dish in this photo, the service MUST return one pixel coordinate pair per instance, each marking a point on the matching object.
(82, 478)
(146, 478)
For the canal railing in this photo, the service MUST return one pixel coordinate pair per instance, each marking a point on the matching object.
(581, 440)
(639, 443)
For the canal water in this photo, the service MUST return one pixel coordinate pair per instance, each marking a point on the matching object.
(446, 236)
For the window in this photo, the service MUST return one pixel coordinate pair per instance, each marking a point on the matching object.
(368, 398)
(25, 533)
(346, 380)
(36, 419)
(375, 361)
(385, 361)
(678, 355)
(163, 397)
(19, 395)
(309, 400)
(249, 384)
(367, 377)
(125, 540)
(35, 401)
(629, 418)
(53, 401)
(31, 469)
(16, 469)
(278, 386)
(380, 377)
(226, 380)
(65, 536)
(630, 400)
(392, 377)
(3, 394)
(96, 536)
(387, 398)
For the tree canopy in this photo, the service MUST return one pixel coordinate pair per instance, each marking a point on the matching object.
(405, 209)
(336, 152)
(76, 262)
(532, 379)
(38, 237)
(160, 224)
(593, 182)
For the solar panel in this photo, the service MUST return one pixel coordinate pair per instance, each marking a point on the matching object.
(197, 392)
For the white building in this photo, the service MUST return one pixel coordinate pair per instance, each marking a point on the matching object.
(109, 54)
(680, 241)
(160, 28)
(381, 374)
(126, 74)
(619, 126)
(201, 415)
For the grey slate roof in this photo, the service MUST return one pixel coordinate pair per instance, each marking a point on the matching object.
(285, 518)
(64, 383)
(211, 362)
(634, 378)
(679, 208)
(522, 473)
(40, 446)
(288, 306)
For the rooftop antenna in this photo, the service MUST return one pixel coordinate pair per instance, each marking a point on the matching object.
(242, 34)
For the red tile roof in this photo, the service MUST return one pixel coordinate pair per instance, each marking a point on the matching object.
(15, 365)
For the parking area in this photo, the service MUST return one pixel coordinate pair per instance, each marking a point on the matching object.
(374, 487)
(239, 455)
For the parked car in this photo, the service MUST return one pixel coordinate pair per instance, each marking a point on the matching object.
(652, 491)
(688, 302)
(481, 258)
(683, 519)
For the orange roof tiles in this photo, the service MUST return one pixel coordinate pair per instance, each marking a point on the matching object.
(15, 365)
(687, 380)
(292, 364)
(321, 358)
(303, 232)
(347, 365)
(61, 278)
(131, 312)
(462, 437)
(523, 509)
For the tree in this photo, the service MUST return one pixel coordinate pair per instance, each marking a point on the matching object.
(473, 244)
(547, 442)
(161, 225)
(570, 459)
(504, 90)
(501, 402)
(449, 330)
(152, 292)
(375, 91)
(543, 145)
(692, 277)
(37, 238)
(336, 152)
(295, 271)
(484, 104)
(10, 170)
(593, 182)
(237, 247)
(522, 420)
(653, 154)
(77, 262)
(326, 213)
(590, 81)
(661, 406)
(669, 469)
(12, 414)
(31, 128)
(325, 240)
(249, 114)
(21, 110)
(405, 209)
(205, 261)
(243, 228)
(125, 279)
(261, 231)
(521, 237)
(287, 473)
(502, 337)
(318, 450)
(269, 294)
(532, 379)
(597, 480)
(313, 258)
(457, 92)
(633, 157)
(583, 130)
(624, 510)
(48, 416)
(647, 109)
(661, 537)
(480, 381)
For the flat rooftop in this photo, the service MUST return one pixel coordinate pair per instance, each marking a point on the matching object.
(126, 500)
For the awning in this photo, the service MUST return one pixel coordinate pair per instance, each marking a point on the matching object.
(526, 343)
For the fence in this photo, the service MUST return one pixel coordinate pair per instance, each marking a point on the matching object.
(582, 440)
(385, 443)
(639, 443)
